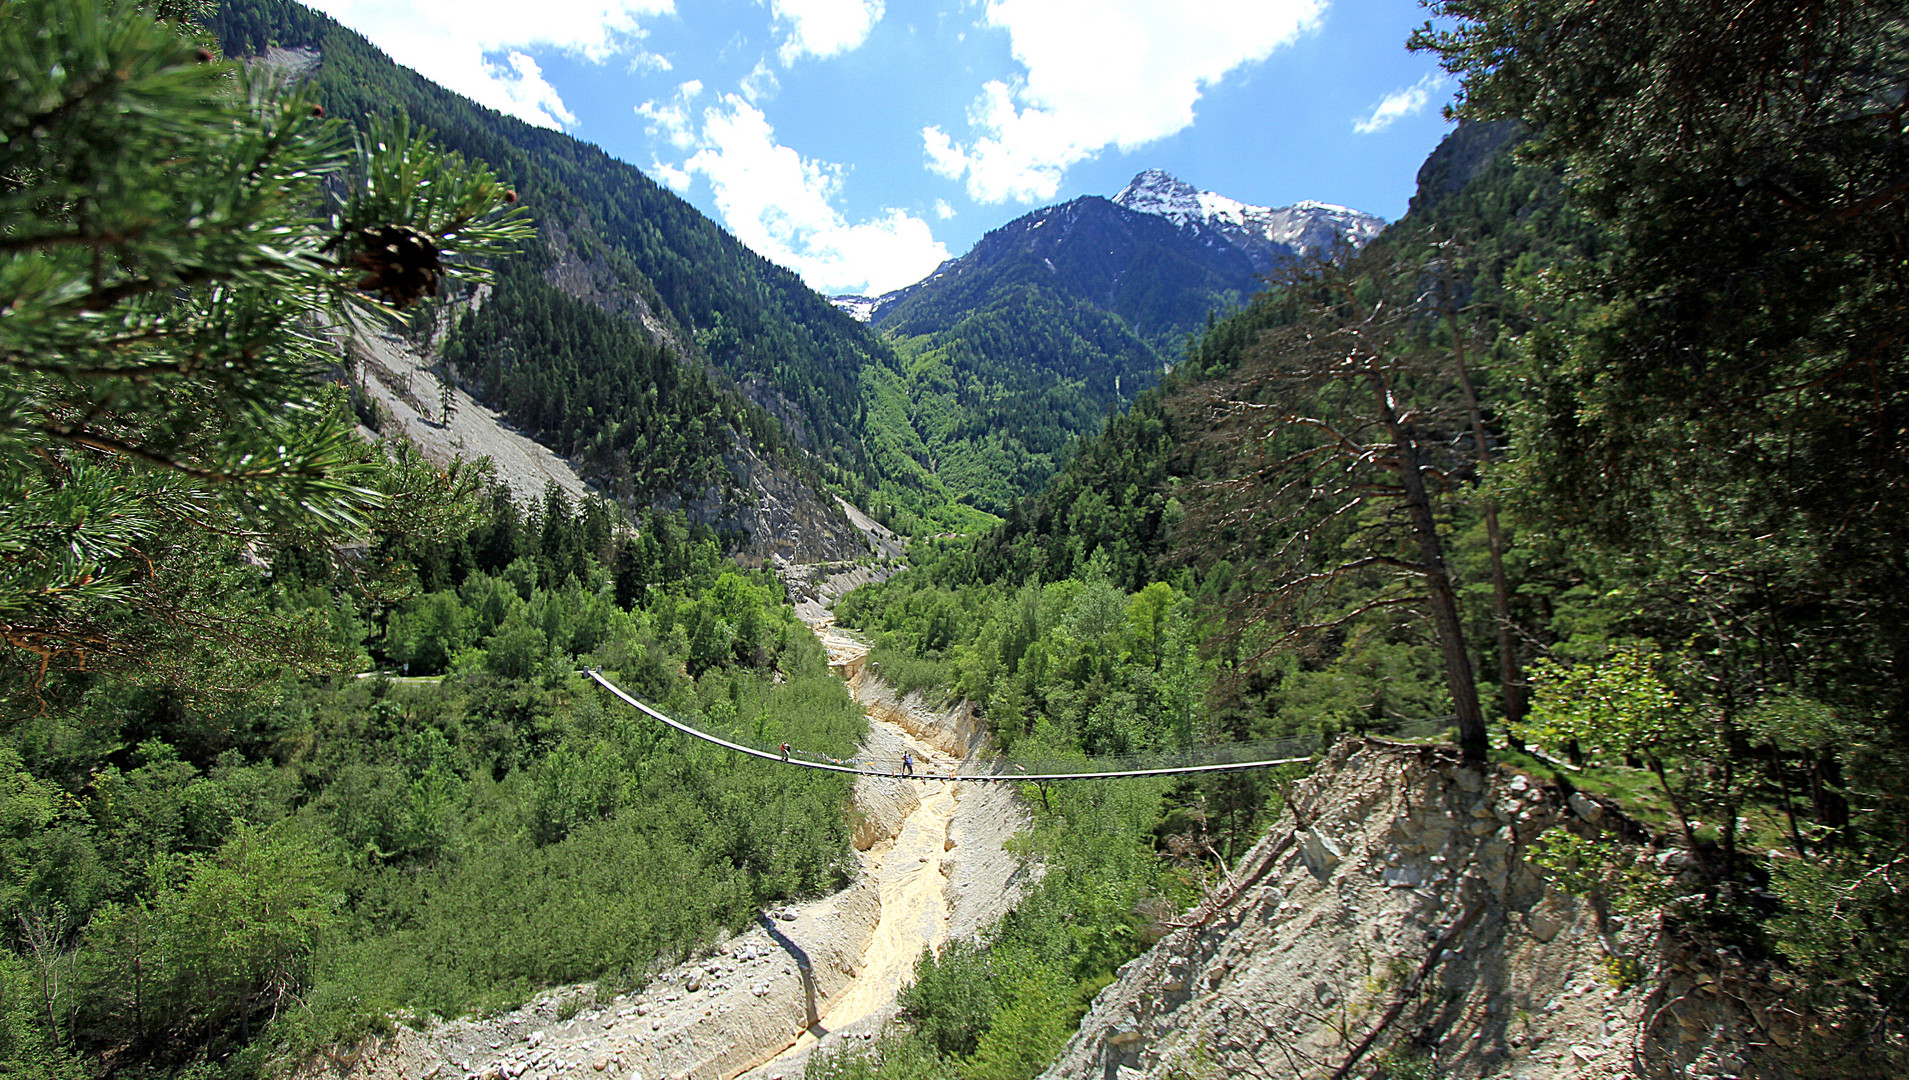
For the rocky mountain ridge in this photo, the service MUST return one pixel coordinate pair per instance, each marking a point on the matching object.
(1270, 236)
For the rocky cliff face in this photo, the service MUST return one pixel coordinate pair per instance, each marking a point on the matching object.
(1461, 157)
(776, 516)
(584, 272)
(1392, 924)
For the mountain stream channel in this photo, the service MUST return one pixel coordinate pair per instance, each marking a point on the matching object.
(806, 978)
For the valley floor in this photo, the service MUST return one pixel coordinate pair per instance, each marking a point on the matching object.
(805, 978)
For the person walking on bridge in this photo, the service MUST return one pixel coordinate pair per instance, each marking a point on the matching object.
(907, 763)
(785, 751)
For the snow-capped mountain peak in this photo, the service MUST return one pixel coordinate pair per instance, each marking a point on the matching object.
(1298, 229)
(1163, 195)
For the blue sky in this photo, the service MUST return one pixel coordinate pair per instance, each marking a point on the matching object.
(860, 142)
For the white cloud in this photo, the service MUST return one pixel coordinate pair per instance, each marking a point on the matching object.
(825, 28)
(529, 93)
(477, 47)
(670, 120)
(675, 178)
(943, 210)
(1102, 73)
(760, 83)
(648, 61)
(783, 206)
(1400, 104)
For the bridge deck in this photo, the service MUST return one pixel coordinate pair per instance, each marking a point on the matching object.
(1002, 770)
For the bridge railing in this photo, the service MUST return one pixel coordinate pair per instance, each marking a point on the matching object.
(1216, 757)
(1201, 757)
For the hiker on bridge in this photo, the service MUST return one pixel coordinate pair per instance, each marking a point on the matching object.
(907, 763)
(785, 751)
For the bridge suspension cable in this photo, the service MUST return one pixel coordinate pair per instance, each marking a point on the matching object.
(1230, 757)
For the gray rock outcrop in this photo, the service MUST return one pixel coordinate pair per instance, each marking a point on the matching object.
(1393, 923)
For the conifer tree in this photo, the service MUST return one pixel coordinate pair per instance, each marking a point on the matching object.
(1332, 433)
(175, 230)
(1723, 432)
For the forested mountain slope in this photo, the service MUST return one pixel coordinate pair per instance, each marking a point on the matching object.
(1114, 494)
(1159, 281)
(1597, 454)
(221, 846)
(747, 315)
(638, 338)
(972, 419)
(989, 369)
(1024, 344)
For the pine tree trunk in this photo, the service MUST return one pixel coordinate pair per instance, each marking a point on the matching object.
(1440, 595)
(1510, 679)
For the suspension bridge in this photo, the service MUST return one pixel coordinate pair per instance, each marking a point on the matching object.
(1226, 757)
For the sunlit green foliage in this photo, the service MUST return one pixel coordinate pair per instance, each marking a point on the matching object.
(1105, 671)
(1619, 705)
(297, 858)
(1715, 432)
(173, 227)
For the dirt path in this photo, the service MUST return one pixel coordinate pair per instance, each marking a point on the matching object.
(806, 978)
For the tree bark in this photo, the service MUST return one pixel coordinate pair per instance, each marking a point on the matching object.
(1510, 678)
(1440, 596)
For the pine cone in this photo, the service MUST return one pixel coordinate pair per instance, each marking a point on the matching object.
(400, 263)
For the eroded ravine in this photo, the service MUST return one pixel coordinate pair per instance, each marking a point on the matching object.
(914, 908)
(909, 869)
(910, 877)
(805, 978)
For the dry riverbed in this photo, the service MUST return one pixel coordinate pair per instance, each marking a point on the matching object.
(805, 978)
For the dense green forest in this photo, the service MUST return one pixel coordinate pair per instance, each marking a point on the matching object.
(990, 421)
(222, 848)
(1571, 460)
(593, 387)
(197, 859)
(1601, 436)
